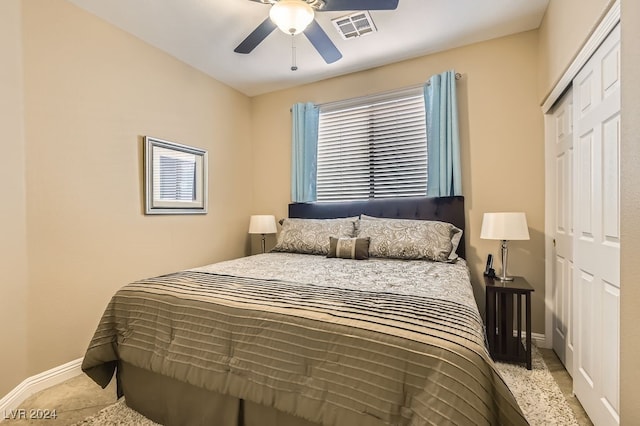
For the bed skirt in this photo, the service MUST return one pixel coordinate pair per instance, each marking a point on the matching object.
(174, 403)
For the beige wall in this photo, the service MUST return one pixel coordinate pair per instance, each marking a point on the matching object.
(564, 29)
(13, 230)
(630, 212)
(501, 132)
(91, 93)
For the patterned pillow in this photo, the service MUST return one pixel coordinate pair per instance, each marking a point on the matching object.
(349, 248)
(410, 239)
(311, 236)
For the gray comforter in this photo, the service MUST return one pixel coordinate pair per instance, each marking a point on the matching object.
(335, 341)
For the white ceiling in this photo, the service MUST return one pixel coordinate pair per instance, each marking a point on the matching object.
(203, 33)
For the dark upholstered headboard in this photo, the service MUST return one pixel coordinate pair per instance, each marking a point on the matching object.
(445, 209)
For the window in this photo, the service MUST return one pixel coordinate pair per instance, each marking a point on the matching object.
(373, 147)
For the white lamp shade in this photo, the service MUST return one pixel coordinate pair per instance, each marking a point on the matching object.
(291, 16)
(262, 224)
(504, 226)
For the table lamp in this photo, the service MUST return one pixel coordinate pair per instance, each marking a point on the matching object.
(504, 226)
(263, 224)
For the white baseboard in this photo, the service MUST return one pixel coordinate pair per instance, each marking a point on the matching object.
(537, 339)
(540, 340)
(39, 382)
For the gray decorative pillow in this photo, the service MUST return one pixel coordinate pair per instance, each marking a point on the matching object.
(311, 236)
(349, 248)
(410, 239)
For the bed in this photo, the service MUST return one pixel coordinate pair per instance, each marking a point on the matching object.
(296, 337)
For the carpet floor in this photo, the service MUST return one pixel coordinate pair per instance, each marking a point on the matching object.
(537, 393)
(80, 402)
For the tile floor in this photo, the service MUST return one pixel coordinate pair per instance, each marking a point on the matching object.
(565, 383)
(79, 397)
(73, 401)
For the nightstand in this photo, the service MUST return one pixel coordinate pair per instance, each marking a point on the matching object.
(505, 337)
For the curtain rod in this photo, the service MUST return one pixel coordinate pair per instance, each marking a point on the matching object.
(458, 77)
(343, 102)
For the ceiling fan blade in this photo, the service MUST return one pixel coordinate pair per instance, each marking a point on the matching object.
(256, 37)
(331, 5)
(322, 42)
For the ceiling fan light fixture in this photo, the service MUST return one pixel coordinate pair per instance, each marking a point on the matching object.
(291, 16)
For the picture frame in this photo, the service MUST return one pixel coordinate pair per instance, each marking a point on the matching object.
(175, 178)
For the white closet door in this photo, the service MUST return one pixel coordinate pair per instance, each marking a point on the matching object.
(562, 128)
(597, 233)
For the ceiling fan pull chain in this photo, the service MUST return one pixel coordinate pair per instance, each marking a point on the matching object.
(294, 67)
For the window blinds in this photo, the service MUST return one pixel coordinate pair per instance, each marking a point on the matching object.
(373, 147)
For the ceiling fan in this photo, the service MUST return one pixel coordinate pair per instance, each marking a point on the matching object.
(296, 16)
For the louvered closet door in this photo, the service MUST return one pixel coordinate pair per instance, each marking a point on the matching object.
(597, 233)
(562, 126)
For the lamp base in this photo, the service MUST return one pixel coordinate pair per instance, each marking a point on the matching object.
(505, 253)
(499, 278)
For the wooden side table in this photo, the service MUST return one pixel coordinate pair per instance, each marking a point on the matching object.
(505, 341)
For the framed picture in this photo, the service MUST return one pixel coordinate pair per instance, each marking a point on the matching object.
(175, 178)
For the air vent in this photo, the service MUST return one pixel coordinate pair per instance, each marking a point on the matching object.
(356, 25)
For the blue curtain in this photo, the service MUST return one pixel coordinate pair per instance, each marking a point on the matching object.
(304, 152)
(443, 139)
